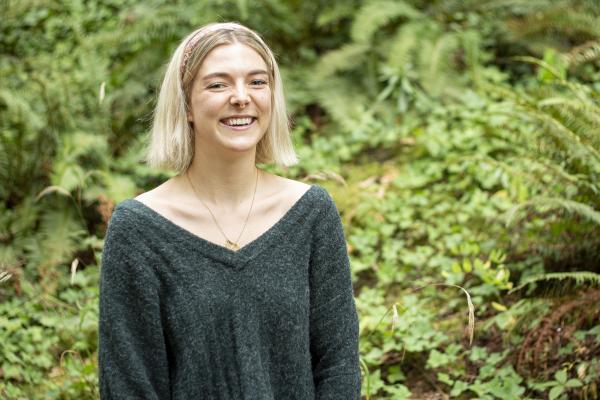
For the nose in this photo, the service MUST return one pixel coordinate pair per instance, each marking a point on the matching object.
(240, 96)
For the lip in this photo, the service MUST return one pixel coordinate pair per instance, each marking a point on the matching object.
(239, 116)
(240, 128)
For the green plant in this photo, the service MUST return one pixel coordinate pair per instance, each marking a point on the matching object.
(559, 386)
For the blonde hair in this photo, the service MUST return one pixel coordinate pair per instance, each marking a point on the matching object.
(172, 137)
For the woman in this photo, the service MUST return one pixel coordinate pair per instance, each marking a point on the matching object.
(226, 282)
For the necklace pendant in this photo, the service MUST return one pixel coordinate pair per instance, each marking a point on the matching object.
(231, 245)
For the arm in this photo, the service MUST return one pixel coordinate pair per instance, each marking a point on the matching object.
(132, 357)
(334, 324)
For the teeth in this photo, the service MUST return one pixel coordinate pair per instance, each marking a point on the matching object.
(238, 121)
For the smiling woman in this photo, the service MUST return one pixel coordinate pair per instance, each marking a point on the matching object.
(172, 141)
(213, 286)
(231, 100)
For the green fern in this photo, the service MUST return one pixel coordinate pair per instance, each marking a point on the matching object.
(568, 127)
(579, 277)
(335, 12)
(344, 103)
(58, 238)
(543, 22)
(376, 14)
(347, 57)
(586, 53)
(549, 203)
(438, 68)
(404, 46)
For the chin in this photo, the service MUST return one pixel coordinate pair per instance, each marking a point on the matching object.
(240, 146)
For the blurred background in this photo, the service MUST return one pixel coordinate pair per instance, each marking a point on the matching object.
(459, 139)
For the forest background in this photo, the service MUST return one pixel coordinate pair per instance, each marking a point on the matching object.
(459, 139)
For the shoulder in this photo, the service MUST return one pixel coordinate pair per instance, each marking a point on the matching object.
(284, 191)
(157, 197)
(125, 217)
(312, 197)
(278, 184)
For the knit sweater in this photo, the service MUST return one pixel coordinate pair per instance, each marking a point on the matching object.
(182, 318)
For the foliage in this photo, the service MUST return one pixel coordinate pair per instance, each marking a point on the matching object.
(460, 139)
(560, 384)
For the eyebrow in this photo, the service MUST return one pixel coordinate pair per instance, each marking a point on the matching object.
(226, 75)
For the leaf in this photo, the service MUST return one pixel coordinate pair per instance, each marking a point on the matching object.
(458, 388)
(467, 266)
(555, 392)
(445, 378)
(437, 359)
(561, 376)
(557, 61)
(572, 383)
(399, 391)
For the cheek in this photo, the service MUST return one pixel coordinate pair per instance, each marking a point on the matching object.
(264, 100)
(204, 106)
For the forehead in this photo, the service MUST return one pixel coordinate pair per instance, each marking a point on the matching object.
(232, 59)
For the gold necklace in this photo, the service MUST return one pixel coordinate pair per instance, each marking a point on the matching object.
(228, 243)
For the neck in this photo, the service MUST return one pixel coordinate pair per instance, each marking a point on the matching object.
(223, 183)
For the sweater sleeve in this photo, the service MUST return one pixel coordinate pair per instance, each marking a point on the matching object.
(334, 327)
(132, 356)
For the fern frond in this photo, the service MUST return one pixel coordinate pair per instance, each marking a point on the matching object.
(576, 88)
(583, 54)
(505, 93)
(345, 104)
(536, 167)
(16, 107)
(524, 5)
(471, 43)
(588, 108)
(116, 187)
(405, 45)
(439, 62)
(545, 166)
(376, 14)
(4, 276)
(583, 121)
(558, 18)
(335, 13)
(145, 24)
(579, 277)
(541, 63)
(571, 206)
(348, 57)
(561, 133)
(58, 237)
(581, 115)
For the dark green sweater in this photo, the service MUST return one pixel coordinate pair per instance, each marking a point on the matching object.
(183, 318)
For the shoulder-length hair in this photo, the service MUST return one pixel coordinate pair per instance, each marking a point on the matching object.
(172, 137)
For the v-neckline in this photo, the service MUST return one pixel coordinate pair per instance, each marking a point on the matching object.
(219, 252)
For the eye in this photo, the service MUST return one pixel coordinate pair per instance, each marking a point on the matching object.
(259, 82)
(216, 85)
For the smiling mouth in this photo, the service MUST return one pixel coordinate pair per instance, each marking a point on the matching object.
(238, 124)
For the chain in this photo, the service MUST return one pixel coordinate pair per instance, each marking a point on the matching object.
(228, 243)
